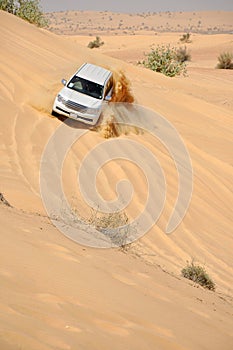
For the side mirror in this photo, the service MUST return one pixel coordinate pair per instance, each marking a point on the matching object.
(108, 98)
(64, 82)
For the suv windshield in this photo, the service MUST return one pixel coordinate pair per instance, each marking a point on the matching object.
(86, 87)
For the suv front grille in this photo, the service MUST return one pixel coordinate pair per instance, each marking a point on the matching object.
(75, 106)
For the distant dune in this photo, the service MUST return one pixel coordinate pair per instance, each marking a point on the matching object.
(204, 49)
(111, 23)
(57, 294)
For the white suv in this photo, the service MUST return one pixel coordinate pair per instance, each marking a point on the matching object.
(83, 95)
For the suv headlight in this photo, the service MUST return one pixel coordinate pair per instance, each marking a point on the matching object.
(93, 110)
(61, 99)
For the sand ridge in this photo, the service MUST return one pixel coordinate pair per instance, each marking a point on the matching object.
(57, 294)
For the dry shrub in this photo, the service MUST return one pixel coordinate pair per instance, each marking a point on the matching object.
(95, 43)
(182, 54)
(186, 38)
(225, 60)
(198, 275)
(115, 225)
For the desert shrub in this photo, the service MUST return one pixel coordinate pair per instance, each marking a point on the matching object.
(186, 38)
(8, 5)
(114, 225)
(225, 60)
(28, 10)
(182, 54)
(31, 12)
(95, 43)
(198, 275)
(163, 59)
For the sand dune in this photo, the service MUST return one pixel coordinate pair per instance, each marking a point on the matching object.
(56, 294)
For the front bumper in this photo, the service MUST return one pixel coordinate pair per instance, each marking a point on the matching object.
(86, 118)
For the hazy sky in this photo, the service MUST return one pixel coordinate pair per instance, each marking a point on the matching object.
(136, 5)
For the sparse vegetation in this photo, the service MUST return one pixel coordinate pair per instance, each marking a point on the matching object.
(186, 38)
(8, 5)
(163, 59)
(114, 225)
(95, 43)
(28, 10)
(182, 54)
(225, 61)
(197, 274)
(105, 222)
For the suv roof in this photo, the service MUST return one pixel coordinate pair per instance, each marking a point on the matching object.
(93, 73)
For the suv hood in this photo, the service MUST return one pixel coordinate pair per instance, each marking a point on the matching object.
(79, 98)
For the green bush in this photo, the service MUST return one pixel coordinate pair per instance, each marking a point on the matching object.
(28, 10)
(225, 61)
(95, 43)
(163, 59)
(186, 38)
(182, 54)
(198, 275)
(8, 5)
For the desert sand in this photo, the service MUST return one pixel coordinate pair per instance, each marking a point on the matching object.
(105, 22)
(57, 294)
